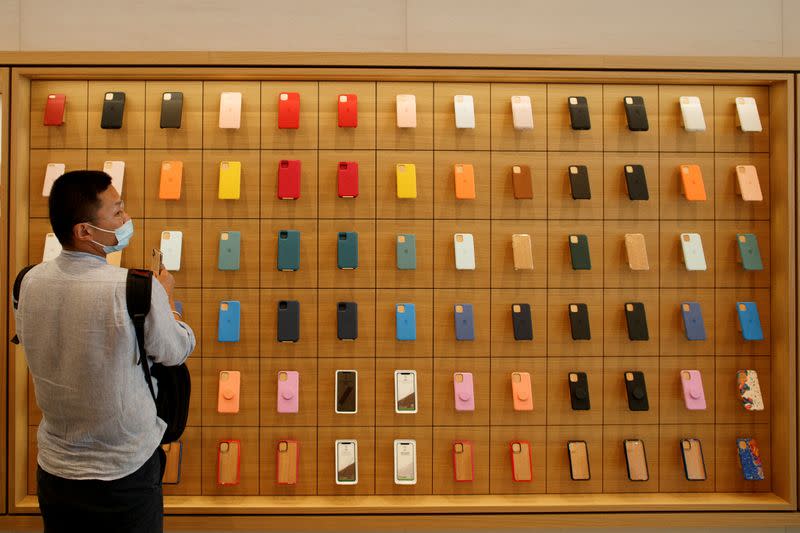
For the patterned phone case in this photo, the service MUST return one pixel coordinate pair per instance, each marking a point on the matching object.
(750, 458)
(749, 390)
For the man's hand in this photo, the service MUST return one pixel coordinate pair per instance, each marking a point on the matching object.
(168, 281)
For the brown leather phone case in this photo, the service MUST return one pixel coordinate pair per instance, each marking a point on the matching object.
(228, 462)
(462, 460)
(523, 256)
(521, 182)
(636, 459)
(172, 470)
(287, 462)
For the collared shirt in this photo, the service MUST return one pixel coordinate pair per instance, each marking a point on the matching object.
(98, 416)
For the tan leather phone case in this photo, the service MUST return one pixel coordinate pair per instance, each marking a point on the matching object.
(693, 460)
(462, 460)
(637, 461)
(172, 470)
(521, 182)
(578, 460)
(287, 462)
(228, 466)
(637, 251)
(523, 258)
(521, 461)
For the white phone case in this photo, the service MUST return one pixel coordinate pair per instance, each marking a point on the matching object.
(403, 386)
(115, 169)
(464, 251)
(346, 454)
(747, 114)
(406, 111)
(52, 248)
(465, 111)
(693, 256)
(230, 110)
(692, 113)
(405, 462)
(171, 246)
(53, 172)
(522, 112)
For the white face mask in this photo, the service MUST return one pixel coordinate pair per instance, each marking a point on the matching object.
(124, 233)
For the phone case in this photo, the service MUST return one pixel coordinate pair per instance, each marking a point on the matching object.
(288, 391)
(521, 248)
(171, 180)
(348, 111)
(693, 256)
(693, 324)
(406, 180)
(156, 260)
(636, 181)
(464, 176)
(228, 391)
(288, 250)
(228, 462)
(406, 322)
(463, 391)
(579, 113)
(113, 111)
(171, 110)
(463, 467)
(579, 391)
(172, 469)
(637, 391)
(288, 321)
(229, 250)
(464, 108)
(230, 110)
(749, 321)
(464, 247)
(694, 397)
(289, 179)
(749, 253)
(692, 183)
(347, 321)
(406, 251)
(347, 250)
(52, 248)
(406, 111)
(521, 319)
(636, 460)
(749, 390)
(53, 172)
(636, 113)
(578, 454)
(347, 179)
(405, 391)
(579, 182)
(289, 111)
(693, 464)
(521, 460)
(228, 325)
(54, 109)
(692, 114)
(405, 462)
(521, 112)
(230, 180)
(465, 326)
(346, 462)
(747, 117)
(747, 183)
(115, 169)
(750, 459)
(521, 182)
(637, 251)
(636, 319)
(171, 247)
(346, 391)
(579, 322)
(288, 460)
(521, 392)
(579, 252)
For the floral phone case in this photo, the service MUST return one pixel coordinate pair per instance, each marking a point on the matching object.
(750, 458)
(749, 390)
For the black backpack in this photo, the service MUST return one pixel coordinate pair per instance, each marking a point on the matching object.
(174, 382)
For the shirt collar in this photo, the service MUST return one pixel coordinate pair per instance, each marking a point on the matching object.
(81, 256)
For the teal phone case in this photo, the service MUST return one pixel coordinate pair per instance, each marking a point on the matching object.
(347, 250)
(749, 252)
(406, 251)
(229, 250)
(288, 250)
(579, 252)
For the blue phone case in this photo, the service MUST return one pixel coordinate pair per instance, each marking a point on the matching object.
(406, 322)
(752, 466)
(288, 250)
(465, 324)
(347, 250)
(693, 321)
(229, 250)
(749, 321)
(407, 251)
(229, 319)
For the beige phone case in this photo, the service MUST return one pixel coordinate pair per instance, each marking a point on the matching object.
(287, 462)
(228, 472)
(462, 460)
(523, 257)
(636, 459)
(637, 251)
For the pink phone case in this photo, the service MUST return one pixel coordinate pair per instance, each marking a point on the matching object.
(693, 395)
(463, 391)
(288, 391)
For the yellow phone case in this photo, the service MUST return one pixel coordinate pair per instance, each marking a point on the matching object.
(230, 180)
(406, 180)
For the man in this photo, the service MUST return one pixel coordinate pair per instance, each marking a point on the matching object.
(99, 463)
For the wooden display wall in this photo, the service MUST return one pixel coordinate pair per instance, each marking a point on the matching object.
(434, 146)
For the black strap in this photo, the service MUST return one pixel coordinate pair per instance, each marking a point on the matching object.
(15, 293)
(138, 288)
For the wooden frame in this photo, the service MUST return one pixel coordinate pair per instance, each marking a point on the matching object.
(4, 216)
(783, 272)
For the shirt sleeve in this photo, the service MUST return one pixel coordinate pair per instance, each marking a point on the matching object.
(167, 341)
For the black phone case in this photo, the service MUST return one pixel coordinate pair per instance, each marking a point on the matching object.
(637, 392)
(636, 114)
(579, 323)
(346, 401)
(347, 321)
(637, 322)
(172, 111)
(288, 321)
(523, 328)
(579, 183)
(579, 254)
(113, 111)
(579, 114)
(579, 392)
(637, 183)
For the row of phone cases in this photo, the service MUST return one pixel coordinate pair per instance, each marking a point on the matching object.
(405, 461)
(230, 111)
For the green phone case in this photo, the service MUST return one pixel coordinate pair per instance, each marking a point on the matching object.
(406, 251)
(347, 250)
(579, 251)
(229, 250)
(749, 252)
(288, 250)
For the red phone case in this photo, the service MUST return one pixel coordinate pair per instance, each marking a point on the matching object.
(289, 111)
(289, 179)
(348, 111)
(54, 109)
(348, 179)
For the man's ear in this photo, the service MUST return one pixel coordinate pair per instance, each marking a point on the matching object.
(80, 233)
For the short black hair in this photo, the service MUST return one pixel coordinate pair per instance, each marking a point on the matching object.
(74, 199)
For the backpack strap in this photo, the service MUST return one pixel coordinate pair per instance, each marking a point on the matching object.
(138, 287)
(15, 293)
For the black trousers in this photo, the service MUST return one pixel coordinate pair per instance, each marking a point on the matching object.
(134, 503)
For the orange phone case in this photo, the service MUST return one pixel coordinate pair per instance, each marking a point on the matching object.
(171, 179)
(521, 391)
(692, 182)
(288, 459)
(465, 181)
(228, 395)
